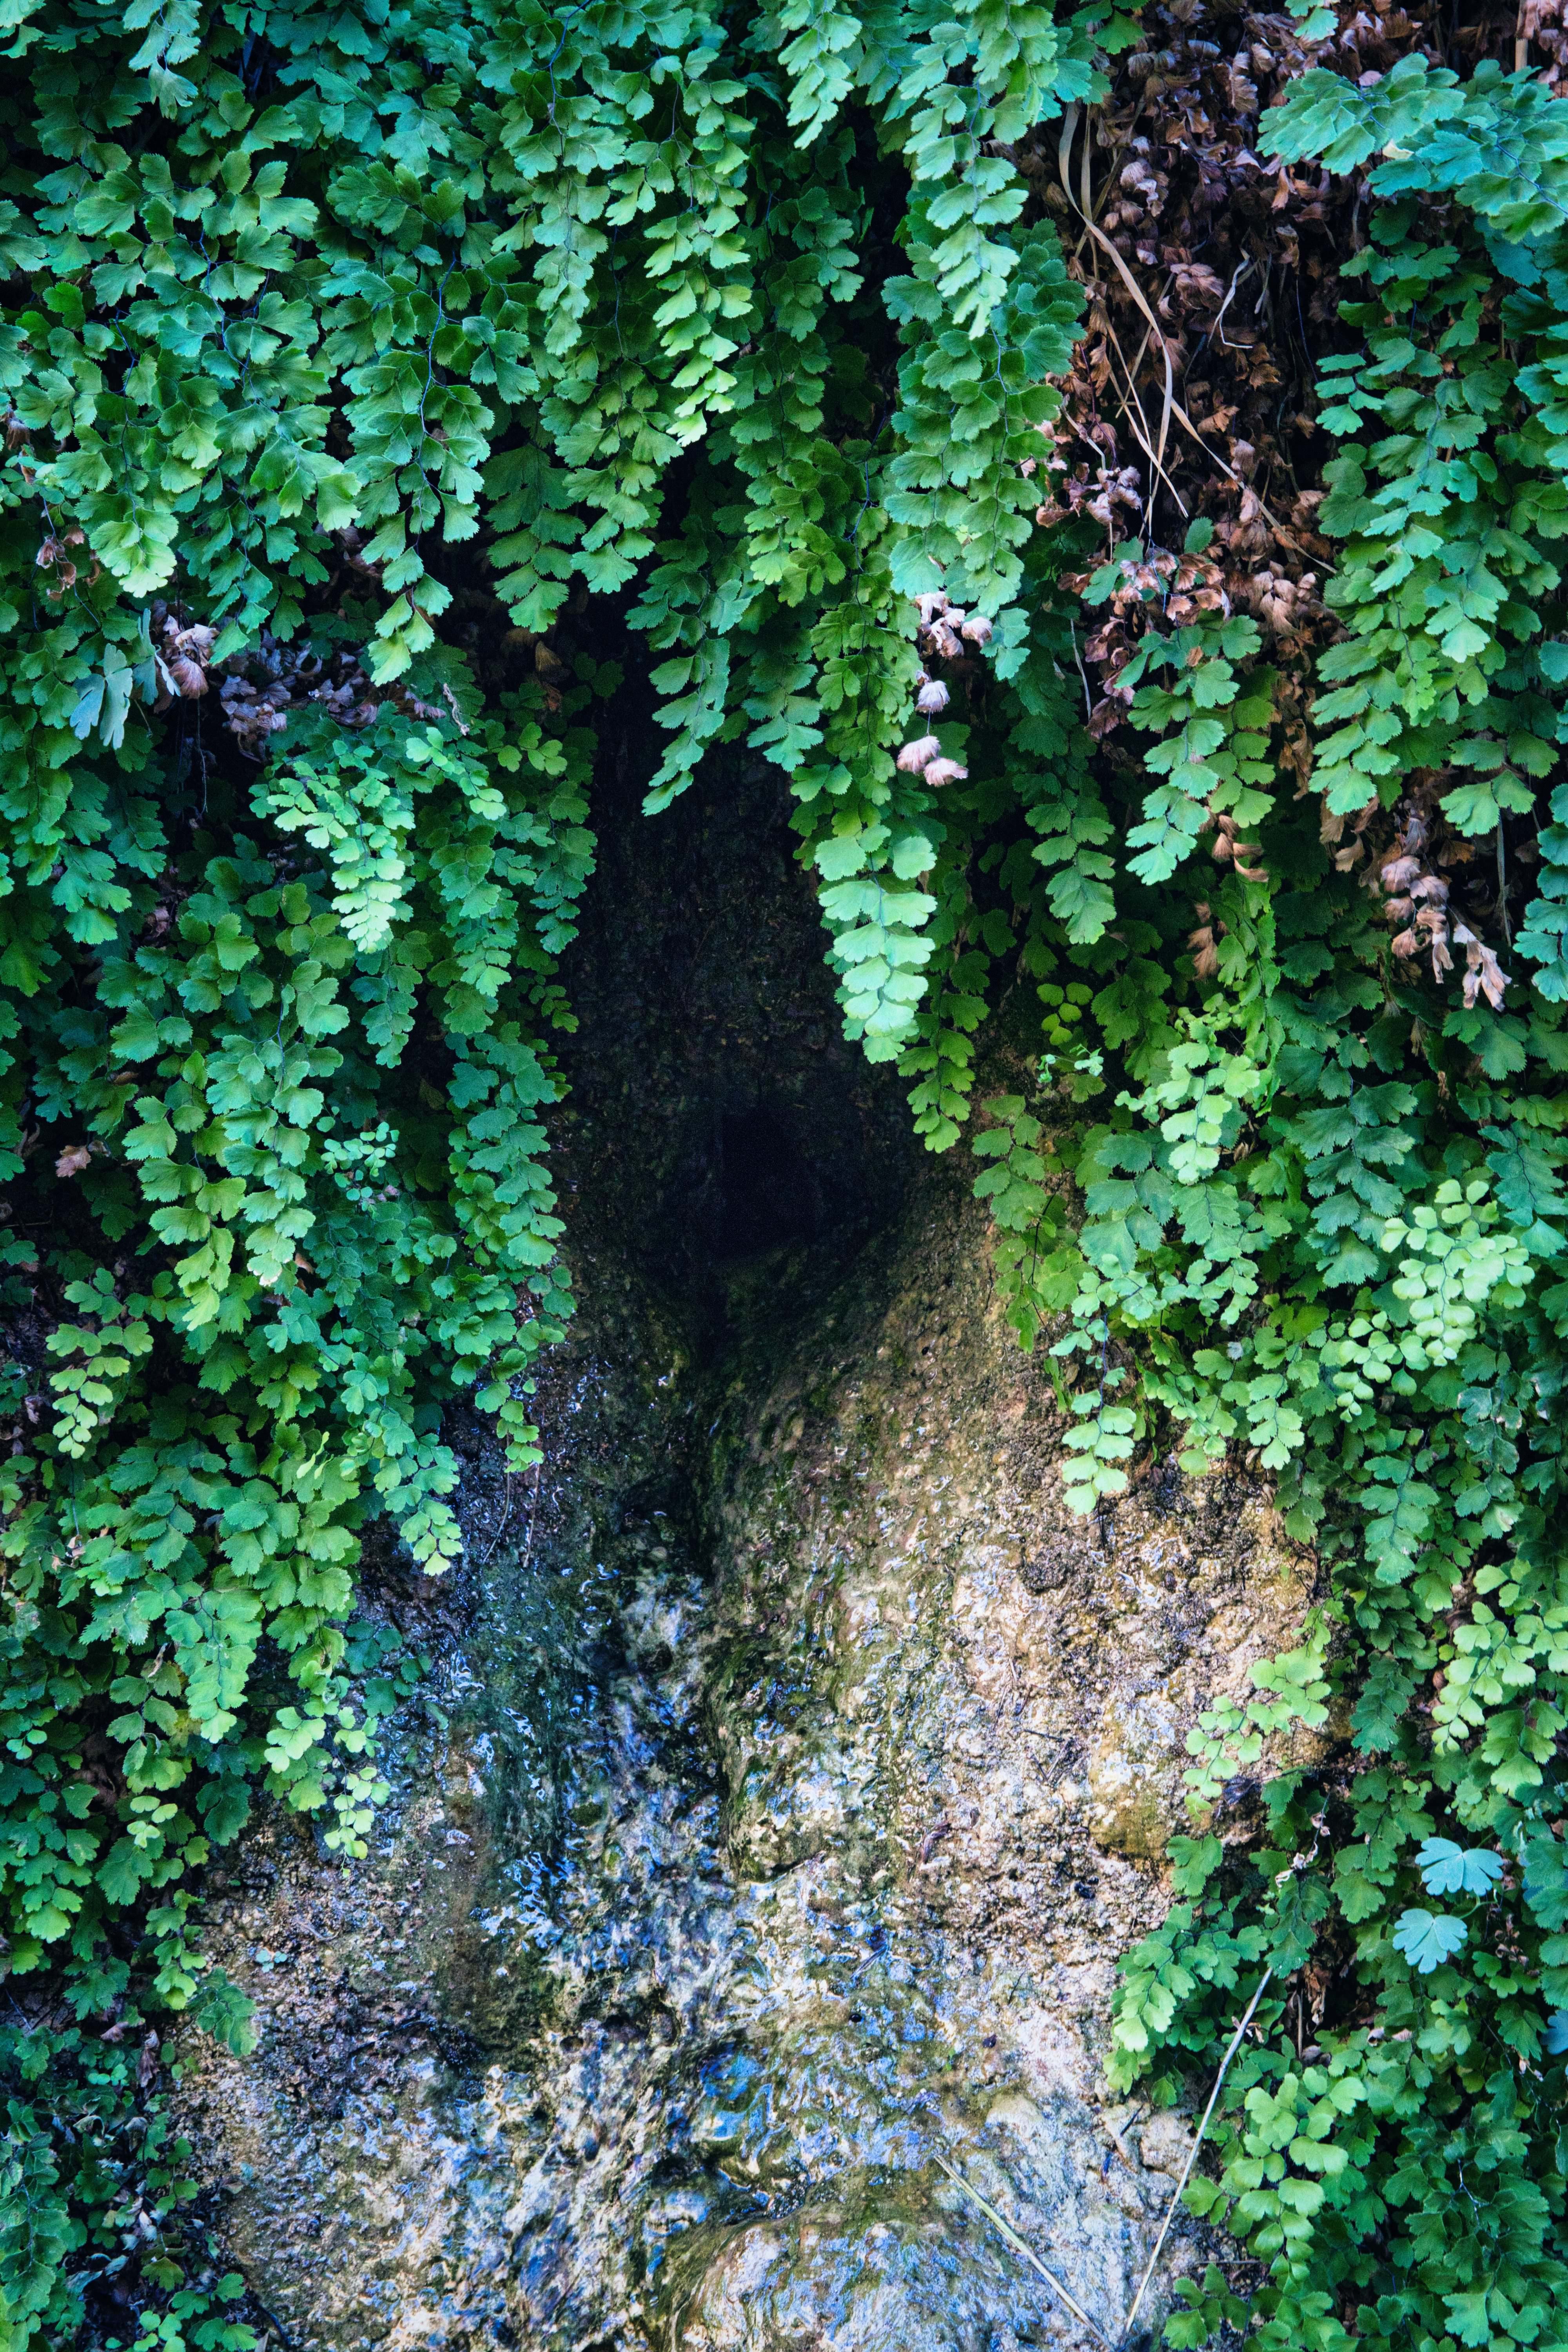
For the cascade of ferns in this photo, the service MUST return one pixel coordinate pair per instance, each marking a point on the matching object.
(1115, 466)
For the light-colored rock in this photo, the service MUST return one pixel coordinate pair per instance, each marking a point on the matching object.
(705, 1955)
(794, 1770)
(1165, 2143)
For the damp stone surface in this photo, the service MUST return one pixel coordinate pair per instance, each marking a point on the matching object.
(792, 1770)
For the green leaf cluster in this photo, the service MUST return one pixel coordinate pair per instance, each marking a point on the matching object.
(1327, 1225)
(348, 359)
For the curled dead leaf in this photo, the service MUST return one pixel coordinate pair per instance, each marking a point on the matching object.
(915, 757)
(1202, 950)
(1484, 976)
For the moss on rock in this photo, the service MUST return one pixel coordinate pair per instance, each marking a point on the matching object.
(773, 1823)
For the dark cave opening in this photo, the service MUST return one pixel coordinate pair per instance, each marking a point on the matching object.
(731, 1119)
(770, 1193)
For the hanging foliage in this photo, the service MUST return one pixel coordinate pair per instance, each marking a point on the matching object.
(1116, 466)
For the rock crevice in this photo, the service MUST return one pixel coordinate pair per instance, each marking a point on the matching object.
(794, 1770)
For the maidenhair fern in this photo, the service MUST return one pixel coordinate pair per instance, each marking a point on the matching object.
(348, 360)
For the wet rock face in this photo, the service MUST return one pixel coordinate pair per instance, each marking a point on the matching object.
(794, 1770)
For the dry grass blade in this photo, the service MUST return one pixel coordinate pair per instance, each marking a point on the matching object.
(1021, 2246)
(1173, 2208)
(1070, 124)
(1139, 423)
(1171, 406)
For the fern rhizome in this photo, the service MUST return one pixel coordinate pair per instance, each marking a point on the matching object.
(1116, 467)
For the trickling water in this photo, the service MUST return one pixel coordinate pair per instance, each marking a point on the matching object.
(793, 1771)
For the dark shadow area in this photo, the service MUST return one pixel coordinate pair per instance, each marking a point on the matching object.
(718, 1116)
(769, 1191)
